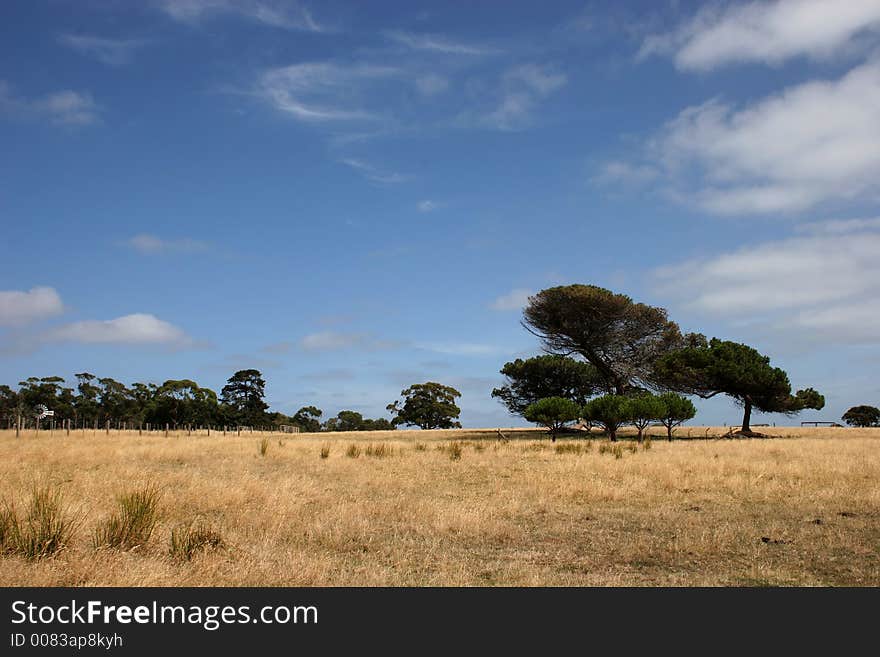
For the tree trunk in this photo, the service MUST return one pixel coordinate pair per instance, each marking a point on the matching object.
(640, 437)
(669, 432)
(612, 434)
(747, 417)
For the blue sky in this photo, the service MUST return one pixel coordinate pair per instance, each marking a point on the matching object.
(355, 197)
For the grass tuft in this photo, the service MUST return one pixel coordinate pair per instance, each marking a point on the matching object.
(379, 451)
(325, 450)
(455, 451)
(353, 451)
(264, 446)
(133, 524)
(188, 540)
(43, 532)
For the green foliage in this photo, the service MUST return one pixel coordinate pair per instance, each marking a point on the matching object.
(546, 376)
(553, 413)
(428, 406)
(243, 395)
(620, 338)
(354, 421)
(644, 409)
(610, 412)
(308, 419)
(736, 370)
(862, 416)
(676, 409)
(132, 525)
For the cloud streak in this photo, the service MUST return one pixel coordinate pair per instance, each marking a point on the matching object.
(66, 107)
(285, 15)
(151, 245)
(112, 52)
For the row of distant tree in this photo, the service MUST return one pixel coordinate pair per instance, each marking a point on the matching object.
(598, 344)
(97, 402)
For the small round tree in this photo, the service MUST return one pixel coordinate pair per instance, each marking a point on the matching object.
(427, 405)
(610, 412)
(862, 416)
(553, 413)
(644, 409)
(676, 409)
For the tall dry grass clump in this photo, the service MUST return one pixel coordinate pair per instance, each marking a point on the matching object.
(353, 451)
(379, 451)
(189, 540)
(264, 446)
(325, 450)
(133, 523)
(43, 531)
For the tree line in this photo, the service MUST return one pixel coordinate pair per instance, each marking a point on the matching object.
(104, 402)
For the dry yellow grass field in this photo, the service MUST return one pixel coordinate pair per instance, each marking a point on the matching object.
(800, 509)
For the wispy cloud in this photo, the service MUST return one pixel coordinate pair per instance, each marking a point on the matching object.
(427, 206)
(767, 32)
(321, 91)
(440, 44)
(335, 341)
(431, 84)
(19, 308)
(812, 143)
(822, 286)
(113, 52)
(66, 107)
(514, 300)
(152, 245)
(522, 90)
(286, 15)
(373, 173)
(462, 348)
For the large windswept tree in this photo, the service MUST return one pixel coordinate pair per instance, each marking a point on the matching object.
(620, 338)
(546, 376)
(736, 370)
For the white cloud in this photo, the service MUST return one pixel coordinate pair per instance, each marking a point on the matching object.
(65, 107)
(824, 286)
(334, 341)
(374, 174)
(287, 15)
(150, 244)
(20, 308)
(768, 32)
(513, 300)
(839, 226)
(113, 52)
(427, 206)
(321, 91)
(135, 329)
(431, 84)
(437, 43)
(812, 143)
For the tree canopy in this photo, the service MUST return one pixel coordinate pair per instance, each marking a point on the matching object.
(676, 409)
(862, 416)
(620, 338)
(427, 405)
(243, 394)
(736, 370)
(546, 376)
(553, 413)
(610, 412)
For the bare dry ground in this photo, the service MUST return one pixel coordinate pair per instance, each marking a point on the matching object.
(802, 508)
